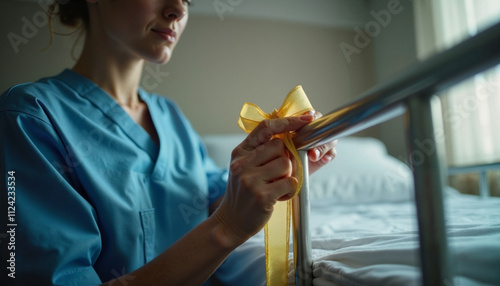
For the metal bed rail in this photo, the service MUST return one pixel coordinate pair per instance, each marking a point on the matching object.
(412, 93)
(481, 169)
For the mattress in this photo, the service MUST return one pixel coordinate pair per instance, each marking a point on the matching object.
(377, 243)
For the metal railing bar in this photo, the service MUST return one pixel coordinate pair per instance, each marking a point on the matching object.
(424, 117)
(482, 170)
(302, 235)
(484, 188)
(473, 169)
(430, 76)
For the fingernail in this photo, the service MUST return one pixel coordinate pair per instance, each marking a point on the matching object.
(317, 153)
(307, 117)
(328, 158)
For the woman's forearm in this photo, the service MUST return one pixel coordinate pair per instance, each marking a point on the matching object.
(189, 261)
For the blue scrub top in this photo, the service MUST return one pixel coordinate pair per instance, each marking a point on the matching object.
(95, 197)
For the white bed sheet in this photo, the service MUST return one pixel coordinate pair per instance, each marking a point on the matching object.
(377, 244)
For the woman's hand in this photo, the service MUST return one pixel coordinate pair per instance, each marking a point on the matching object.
(260, 175)
(321, 155)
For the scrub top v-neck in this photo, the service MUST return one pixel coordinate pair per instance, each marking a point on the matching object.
(96, 197)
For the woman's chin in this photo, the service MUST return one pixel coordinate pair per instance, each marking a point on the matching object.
(162, 57)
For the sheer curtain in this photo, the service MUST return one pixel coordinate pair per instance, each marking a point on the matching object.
(472, 108)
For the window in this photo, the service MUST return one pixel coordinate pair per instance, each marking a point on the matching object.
(471, 110)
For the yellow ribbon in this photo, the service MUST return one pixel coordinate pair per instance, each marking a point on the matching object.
(277, 230)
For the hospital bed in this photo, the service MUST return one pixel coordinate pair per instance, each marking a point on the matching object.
(368, 218)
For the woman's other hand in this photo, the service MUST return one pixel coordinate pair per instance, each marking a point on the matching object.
(323, 154)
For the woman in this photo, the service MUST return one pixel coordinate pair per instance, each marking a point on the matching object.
(111, 183)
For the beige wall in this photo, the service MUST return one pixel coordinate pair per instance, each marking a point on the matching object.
(219, 65)
(394, 50)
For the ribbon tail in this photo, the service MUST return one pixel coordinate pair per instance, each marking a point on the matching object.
(287, 139)
(277, 230)
(277, 241)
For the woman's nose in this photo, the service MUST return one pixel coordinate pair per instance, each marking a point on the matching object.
(174, 10)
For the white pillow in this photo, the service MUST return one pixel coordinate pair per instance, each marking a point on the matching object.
(362, 172)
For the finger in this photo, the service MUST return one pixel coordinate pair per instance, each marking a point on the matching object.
(317, 153)
(317, 114)
(267, 152)
(267, 128)
(261, 155)
(284, 188)
(329, 156)
(276, 169)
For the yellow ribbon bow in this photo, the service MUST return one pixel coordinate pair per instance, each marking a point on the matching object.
(277, 230)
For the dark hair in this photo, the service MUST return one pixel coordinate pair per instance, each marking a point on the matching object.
(73, 13)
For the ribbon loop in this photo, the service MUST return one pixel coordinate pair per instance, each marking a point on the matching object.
(277, 230)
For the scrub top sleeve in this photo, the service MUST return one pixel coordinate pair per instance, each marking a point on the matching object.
(217, 182)
(216, 176)
(57, 239)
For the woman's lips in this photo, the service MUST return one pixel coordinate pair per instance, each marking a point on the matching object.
(167, 34)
